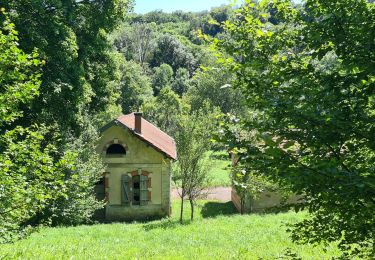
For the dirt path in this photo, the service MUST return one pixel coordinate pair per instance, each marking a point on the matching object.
(219, 193)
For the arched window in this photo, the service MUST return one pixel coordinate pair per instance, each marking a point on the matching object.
(116, 149)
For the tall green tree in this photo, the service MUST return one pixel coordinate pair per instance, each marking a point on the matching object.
(136, 41)
(181, 82)
(213, 21)
(310, 84)
(165, 109)
(30, 177)
(193, 141)
(162, 78)
(20, 74)
(171, 51)
(135, 86)
(79, 84)
(71, 37)
(213, 85)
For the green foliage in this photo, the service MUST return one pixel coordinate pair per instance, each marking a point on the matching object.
(135, 87)
(309, 80)
(29, 174)
(213, 21)
(19, 74)
(181, 82)
(172, 39)
(193, 141)
(135, 41)
(56, 168)
(164, 110)
(162, 78)
(29, 180)
(171, 51)
(216, 234)
(79, 203)
(213, 85)
(160, 17)
(71, 36)
(219, 174)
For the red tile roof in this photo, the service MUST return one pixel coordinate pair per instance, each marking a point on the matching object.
(151, 134)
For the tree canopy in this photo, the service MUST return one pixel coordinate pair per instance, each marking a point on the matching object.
(47, 113)
(29, 175)
(79, 64)
(309, 84)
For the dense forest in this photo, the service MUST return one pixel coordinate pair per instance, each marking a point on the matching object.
(167, 66)
(288, 89)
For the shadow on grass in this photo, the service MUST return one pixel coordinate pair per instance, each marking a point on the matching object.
(165, 224)
(213, 209)
(220, 156)
(209, 209)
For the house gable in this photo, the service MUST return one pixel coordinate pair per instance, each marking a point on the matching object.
(137, 151)
(148, 133)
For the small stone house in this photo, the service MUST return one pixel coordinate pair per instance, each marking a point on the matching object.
(137, 181)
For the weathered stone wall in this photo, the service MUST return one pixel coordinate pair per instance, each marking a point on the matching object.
(135, 212)
(264, 201)
(166, 187)
(237, 202)
(270, 199)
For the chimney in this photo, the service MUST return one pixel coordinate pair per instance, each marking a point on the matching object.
(138, 122)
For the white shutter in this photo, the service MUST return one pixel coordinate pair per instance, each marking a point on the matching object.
(143, 190)
(125, 189)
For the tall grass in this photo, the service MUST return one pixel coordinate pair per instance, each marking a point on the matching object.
(217, 233)
(220, 171)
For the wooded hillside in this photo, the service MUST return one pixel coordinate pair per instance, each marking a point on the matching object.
(286, 89)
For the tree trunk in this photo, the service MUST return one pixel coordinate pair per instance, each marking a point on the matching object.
(242, 202)
(182, 208)
(192, 209)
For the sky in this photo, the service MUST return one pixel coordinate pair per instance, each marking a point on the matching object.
(144, 6)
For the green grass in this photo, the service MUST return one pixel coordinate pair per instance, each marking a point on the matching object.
(217, 233)
(219, 173)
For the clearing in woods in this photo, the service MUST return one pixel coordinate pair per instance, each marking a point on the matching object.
(217, 233)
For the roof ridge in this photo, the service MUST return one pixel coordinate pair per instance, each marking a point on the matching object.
(151, 134)
(144, 119)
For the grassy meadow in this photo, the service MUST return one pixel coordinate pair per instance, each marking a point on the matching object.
(220, 169)
(217, 233)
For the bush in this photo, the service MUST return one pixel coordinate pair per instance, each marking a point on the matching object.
(78, 203)
(30, 179)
